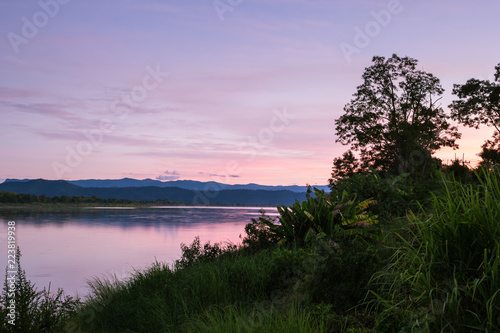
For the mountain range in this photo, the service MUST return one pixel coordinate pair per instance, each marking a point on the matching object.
(185, 184)
(186, 191)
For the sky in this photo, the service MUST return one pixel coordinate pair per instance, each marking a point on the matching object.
(236, 91)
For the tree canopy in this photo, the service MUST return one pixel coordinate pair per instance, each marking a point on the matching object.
(394, 122)
(478, 104)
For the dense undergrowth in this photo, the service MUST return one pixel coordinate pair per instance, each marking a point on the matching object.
(374, 255)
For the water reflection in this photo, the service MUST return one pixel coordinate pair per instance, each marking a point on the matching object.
(69, 246)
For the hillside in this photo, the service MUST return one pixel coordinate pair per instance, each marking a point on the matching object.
(184, 184)
(52, 188)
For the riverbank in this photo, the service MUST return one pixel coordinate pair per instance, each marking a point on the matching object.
(332, 264)
(62, 206)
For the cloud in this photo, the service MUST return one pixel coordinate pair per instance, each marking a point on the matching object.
(16, 93)
(167, 175)
(217, 175)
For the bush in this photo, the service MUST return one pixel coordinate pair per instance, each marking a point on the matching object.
(258, 234)
(35, 311)
(322, 214)
(338, 270)
(392, 195)
(195, 253)
(459, 171)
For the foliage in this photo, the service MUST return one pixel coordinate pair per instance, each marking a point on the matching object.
(162, 299)
(35, 311)
(337, 270)
(16, 198)
(345, 167)
(459, 171)
(392, 195)
(232, 319)
(323, 213)
(478, 103)
(196, 253)
(271, 290)
(447, 273)
(394, 121)
(258, 235)
(490, 154)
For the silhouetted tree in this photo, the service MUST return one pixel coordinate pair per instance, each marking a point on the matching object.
(479, 104)
(490, 155)
(394, 122)
(344, 167)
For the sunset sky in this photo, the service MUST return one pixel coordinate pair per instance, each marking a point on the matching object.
(236, 91)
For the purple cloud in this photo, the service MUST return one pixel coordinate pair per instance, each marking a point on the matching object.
(169, 175)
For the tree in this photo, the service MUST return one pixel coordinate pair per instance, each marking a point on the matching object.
(345, 166)
(479, 104)
(394, 122)
(490, 155)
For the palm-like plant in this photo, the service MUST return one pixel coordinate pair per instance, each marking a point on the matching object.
(321, 214)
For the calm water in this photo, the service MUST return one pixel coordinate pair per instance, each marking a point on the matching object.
(69, 247)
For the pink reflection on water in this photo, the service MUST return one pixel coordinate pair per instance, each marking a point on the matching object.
(72, 250)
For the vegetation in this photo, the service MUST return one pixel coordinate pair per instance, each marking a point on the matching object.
(322, 215)
(239, 288)
(394, 121)
(437, 271)
(25, 309)
(418, 251)
(445, 274)
(479, 104)
(349, 271)
(10, 198)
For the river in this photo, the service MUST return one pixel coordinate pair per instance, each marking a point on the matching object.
(68, 247)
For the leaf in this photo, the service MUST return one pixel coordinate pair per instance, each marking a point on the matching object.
(393, 120)
(309, 215)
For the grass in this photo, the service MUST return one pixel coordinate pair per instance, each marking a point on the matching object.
(435, 269)
(163, 299)
(257, 319)
(447, 268)
(245, 290)
(25, 309)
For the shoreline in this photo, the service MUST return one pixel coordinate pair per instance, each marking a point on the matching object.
(130, 206)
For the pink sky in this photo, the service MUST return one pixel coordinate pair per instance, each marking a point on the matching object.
(251, 97)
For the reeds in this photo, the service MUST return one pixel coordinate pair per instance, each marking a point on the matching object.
(447, 270)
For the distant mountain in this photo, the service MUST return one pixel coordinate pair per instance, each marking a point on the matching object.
(53, 188)
(185, 184)
(40, 187)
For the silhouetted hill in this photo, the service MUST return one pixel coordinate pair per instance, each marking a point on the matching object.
(50, 188)
(185, 184)
(53, 188)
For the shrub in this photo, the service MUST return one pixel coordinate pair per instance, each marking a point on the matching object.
(459, 171)
(35, 311)
(338, 270)
(322, 214)
(392, 195)
(196, 253)
(258, 235)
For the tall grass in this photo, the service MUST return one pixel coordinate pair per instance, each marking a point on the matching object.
(447, 271)
(240, 290)
(232, 319)
(163, 299)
